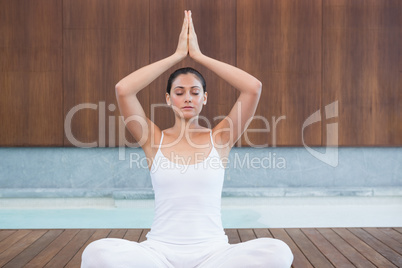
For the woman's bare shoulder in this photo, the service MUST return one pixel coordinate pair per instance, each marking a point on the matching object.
(152, 142)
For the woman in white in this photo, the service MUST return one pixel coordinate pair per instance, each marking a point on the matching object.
(187, 229)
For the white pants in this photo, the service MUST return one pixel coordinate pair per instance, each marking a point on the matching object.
(260, 252)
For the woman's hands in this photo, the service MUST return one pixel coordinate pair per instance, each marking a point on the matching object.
(188, 43)
(193, 48)
(182, 47)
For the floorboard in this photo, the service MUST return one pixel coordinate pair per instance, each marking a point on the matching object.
(385, 255)
(312, 253)
(327, 249)
(346, 249)
(311, 247)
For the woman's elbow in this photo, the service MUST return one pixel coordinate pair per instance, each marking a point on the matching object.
(120, 89)
(258, 86)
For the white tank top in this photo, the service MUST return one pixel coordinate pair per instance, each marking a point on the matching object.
(187, 199)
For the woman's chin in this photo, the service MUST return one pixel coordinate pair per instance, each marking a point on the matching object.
(187, 116)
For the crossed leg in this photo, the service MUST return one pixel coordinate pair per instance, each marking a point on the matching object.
(114, 252)
(258, 253)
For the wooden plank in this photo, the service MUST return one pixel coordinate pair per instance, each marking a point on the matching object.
(392, 233)
(117, 233)
(63, 248)
(379, 249)
(299, 259)
(33, 249)
(104, 41)
(363, 248)
(31, 48)
(361, 41)
(68, 252)
(388, 240)
(22, 244)
(233, 236)
(246, 234)
(332, 253)
(133, 234)
(12, 239)
(347, 250)
(6, 233)
(313, 254)
(143, 235)
(51, 250)
(398, 229)
(76, 260)
(262, 232)
(31, 102)
(279, 42)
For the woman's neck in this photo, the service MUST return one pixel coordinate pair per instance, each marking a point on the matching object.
(186, 127)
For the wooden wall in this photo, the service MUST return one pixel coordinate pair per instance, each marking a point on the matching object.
(61, 56)
(31, 73)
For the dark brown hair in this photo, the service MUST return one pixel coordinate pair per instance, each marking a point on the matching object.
(185, 70)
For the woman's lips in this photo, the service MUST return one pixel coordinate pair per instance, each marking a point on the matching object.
(187, 107)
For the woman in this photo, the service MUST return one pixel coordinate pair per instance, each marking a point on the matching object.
(187, 229)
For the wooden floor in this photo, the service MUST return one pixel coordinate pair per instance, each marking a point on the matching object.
(311, 247)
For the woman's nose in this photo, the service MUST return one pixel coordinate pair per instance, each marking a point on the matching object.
(188, 96)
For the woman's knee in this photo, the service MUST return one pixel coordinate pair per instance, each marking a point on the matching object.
(93, 253)
(266, 251)
(114, 252)
(283, 256)
(95, 247)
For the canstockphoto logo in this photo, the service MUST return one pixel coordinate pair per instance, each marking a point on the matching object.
(330, 156)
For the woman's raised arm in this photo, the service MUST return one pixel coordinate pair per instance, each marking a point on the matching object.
(230, 129)
(142, 77)
(126, 90)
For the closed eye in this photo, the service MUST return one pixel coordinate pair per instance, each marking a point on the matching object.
(182, 94)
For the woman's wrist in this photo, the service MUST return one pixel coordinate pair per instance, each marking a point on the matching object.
(179, 56)
(197, 57)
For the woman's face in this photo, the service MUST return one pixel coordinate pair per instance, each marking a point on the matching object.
(186, 91)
